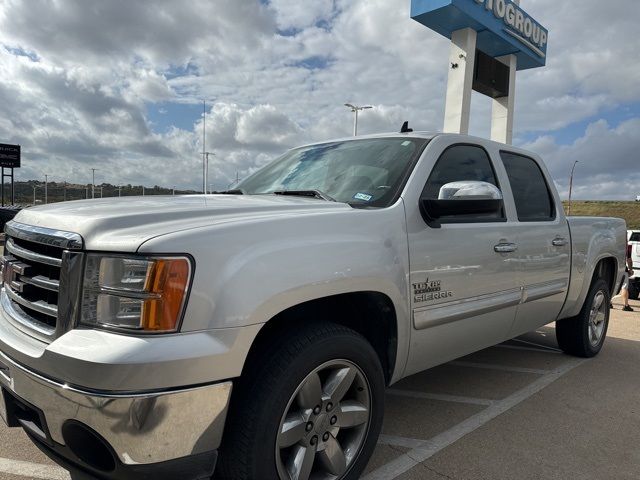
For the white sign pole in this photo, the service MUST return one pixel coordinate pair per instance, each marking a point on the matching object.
(503, 108)
(462, 59)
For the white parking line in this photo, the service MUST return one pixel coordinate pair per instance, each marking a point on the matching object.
(502, 368)
(33, 470)
(545, 347)
(528, 349)
(394, 441)
(438, 396)
(430, 447)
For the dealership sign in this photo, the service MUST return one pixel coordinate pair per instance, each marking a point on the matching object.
(9, 156)
(503, 27)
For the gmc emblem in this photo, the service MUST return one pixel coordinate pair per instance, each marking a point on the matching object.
(11, 269)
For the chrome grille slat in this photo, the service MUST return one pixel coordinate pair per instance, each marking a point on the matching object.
(23, 253)
(39, 305)
(20, 318)
(41, 281)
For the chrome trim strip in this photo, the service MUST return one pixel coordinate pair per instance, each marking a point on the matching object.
(45, 236)
(29, 255)
(41, 281)
(21, 320)
(459, 310)
(543, 290)
(39, 306)
(70, 294)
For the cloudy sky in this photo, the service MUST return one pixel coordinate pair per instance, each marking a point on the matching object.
(118, 85)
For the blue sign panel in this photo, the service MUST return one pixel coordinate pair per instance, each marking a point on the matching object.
(503, 27)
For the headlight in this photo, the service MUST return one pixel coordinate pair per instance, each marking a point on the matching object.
(138, 294)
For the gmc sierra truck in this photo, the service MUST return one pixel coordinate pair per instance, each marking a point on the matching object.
(251, 334)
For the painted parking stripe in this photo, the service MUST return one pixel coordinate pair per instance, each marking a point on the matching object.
(33, 470)
(430, 447)
(528, 349)
(438, 396)
(538, 345)
(395, 441)
(502, 368)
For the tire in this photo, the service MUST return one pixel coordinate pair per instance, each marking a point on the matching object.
(284, 383)
(634, 291)
(584, 334)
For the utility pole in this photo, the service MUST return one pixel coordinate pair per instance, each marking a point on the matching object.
(119, 189)
(86, 192)
(206, 170)
(143, 190)
(34, 195)
(101, 192)
(64, 192)
(204, 143)
(571, 184)
(93, 182)
(46, 181)
(173, 190)
(355, 109)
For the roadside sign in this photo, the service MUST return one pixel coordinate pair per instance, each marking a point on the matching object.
(9, 156)
(503, 27)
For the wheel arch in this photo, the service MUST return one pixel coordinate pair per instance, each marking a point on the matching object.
(372, 314)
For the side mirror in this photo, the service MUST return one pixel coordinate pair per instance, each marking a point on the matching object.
(461, 198)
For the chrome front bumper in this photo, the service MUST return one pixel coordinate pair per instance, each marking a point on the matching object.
(143, 428)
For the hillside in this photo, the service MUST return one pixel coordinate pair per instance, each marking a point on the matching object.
(25, 192)
(630, 211)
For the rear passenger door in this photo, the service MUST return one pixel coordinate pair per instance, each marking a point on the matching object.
(544, 244)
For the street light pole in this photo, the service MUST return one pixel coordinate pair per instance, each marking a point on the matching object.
(93, 182)
(355, 109)
(34, 195)
(206, 170)
(119, 188)
(571, 184)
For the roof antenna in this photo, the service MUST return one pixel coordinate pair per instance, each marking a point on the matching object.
(405, 128)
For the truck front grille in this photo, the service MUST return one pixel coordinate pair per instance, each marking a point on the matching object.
(41, 275)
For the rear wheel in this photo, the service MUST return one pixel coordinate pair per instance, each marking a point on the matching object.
(584, 334)
(311, 408)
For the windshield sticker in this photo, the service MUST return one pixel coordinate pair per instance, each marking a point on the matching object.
(363, 196)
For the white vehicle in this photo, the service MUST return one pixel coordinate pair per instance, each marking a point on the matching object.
(254, 332)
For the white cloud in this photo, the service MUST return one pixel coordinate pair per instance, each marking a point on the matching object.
(79, 93)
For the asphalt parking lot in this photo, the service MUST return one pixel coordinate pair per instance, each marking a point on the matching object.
(518, 410)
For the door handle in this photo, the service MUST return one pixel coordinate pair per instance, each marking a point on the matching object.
(559, 242)
(505, 248)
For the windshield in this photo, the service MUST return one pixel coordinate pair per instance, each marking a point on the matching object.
(365, 172)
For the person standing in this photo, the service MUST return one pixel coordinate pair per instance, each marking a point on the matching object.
(624, 291)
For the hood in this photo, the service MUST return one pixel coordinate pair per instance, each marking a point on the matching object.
(123, 224)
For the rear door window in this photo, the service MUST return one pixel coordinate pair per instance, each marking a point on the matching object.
(534, 201)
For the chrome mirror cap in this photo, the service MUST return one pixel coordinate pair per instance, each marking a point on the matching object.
(469, 190)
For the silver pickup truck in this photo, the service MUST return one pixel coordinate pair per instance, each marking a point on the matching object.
(251, 334)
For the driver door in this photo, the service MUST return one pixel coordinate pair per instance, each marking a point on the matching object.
(464, 290)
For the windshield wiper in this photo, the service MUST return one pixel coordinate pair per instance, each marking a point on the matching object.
(306, 193)
(235, 191)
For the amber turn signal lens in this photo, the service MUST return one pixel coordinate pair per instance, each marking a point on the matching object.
(166, 283)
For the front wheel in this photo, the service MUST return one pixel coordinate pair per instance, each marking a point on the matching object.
(311, 407)
(584, 334)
